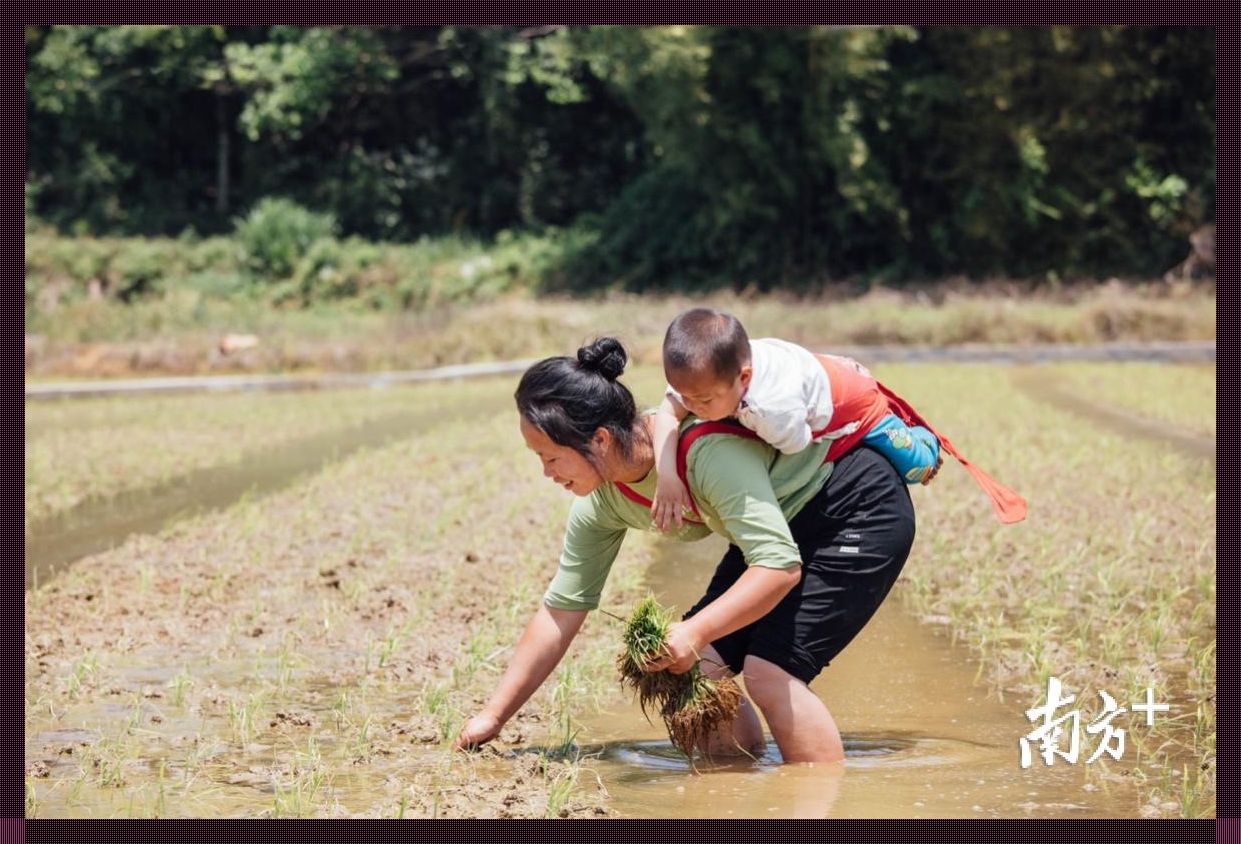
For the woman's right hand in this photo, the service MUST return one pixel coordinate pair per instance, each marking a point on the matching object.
(671, 500)
(477, 731)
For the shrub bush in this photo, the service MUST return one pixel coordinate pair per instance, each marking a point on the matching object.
(277, 233)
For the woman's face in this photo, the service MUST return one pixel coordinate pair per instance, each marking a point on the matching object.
(561, 463)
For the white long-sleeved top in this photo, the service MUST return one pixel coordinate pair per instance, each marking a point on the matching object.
(789, 397)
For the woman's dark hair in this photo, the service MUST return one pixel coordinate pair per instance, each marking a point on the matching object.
(569, 399)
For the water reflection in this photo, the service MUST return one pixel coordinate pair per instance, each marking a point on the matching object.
(922, 738)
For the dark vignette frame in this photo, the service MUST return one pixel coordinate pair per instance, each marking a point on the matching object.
(13, 828)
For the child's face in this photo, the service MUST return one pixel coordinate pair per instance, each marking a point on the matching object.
(709, 397)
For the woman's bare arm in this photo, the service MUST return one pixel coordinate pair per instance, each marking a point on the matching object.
(539, 650)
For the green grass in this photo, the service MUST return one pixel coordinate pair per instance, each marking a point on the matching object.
(1109, 585)
(179, 332)
(76, 450)
(1181, 396)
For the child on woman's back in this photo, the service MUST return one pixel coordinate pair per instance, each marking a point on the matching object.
(789, 397)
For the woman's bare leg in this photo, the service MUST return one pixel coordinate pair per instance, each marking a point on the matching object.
(745, 734)
(801, 725)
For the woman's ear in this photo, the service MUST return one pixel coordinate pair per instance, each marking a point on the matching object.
(602, 441)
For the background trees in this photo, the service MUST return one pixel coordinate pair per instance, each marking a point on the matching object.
(678, 155)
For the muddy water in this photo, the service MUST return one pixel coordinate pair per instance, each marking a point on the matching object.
(922, 739)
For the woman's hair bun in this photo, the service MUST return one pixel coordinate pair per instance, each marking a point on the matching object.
(606, 356)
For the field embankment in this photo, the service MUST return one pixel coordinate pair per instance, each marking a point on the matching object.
(115, 307)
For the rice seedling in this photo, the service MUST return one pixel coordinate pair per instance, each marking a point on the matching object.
(701, 709)
(145, 579)
(390, 643)
(361, 746)
(563, 692)
(438, 706)
(243, 718)
(84, 667)
(309, 776)
(559, 790)
(342, 708)
(480, 650)
(692, 705)
(135, 717)
(285, 659)
(158, 810)
(107, 759)
(645, 632)
(179, 684)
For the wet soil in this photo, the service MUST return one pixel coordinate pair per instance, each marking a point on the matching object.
(311, 652)
(285, 656)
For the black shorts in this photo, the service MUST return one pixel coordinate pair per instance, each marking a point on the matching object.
(854, 537)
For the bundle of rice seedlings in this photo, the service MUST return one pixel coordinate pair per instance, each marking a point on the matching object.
(701, 709)
(691, 704)
(646, 630)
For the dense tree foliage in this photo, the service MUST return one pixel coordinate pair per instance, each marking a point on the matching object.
(677, 155)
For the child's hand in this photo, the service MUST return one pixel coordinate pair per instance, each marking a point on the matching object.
(670, 500)
(931, 474)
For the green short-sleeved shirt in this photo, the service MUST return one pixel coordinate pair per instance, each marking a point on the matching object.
(745, 490)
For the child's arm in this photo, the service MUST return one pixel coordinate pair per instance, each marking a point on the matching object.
(670, 494)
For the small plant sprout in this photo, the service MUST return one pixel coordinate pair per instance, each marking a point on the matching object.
(180, 682)
(309, 776)
(85, 667)
(390, 643)
(562, 697)
(145, 579)
(243, 718)
(284, 666)
(362, 739)
(560, 789)
(159, 799)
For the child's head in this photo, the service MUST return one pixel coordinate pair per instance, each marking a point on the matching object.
(707, 361)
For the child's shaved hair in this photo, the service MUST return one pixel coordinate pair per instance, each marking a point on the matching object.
(705, 341)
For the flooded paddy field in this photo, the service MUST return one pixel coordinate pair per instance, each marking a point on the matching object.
(310, 647)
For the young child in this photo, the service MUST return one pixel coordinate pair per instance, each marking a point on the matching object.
(789, 397)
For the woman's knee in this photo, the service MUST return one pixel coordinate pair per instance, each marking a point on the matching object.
(767, 683)
(713, 665)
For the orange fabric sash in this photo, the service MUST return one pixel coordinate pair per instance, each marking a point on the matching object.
(857, 397)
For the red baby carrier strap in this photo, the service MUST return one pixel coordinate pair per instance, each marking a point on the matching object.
(1008, 505)
(633, 495)
(687, 439)
(855, 397)
(683, 443)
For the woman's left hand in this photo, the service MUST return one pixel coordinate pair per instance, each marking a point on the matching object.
(681, 650)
